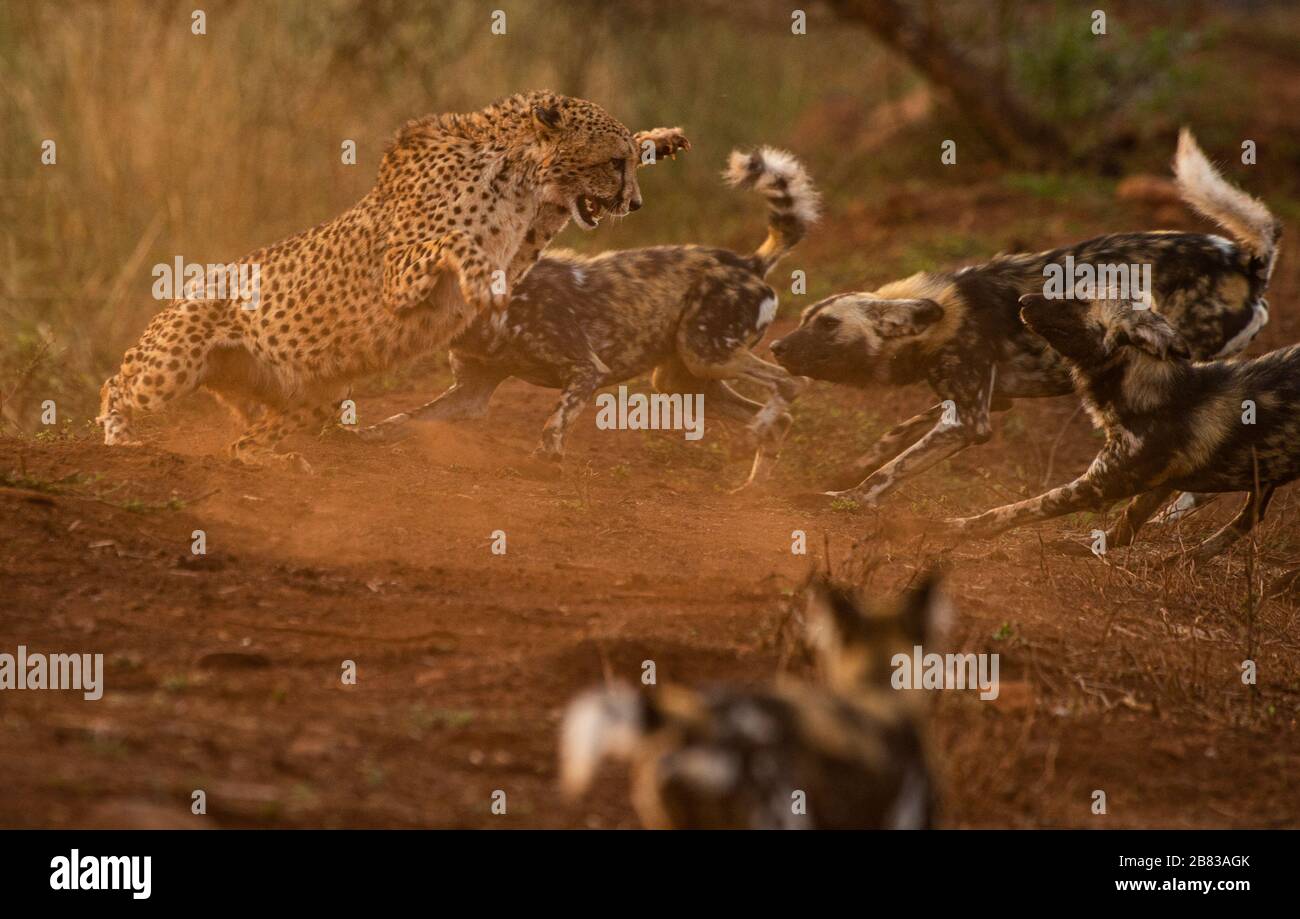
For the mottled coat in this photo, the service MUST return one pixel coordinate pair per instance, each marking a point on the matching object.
(1171, 423)
(961, 332)
(689, 313)
(850, 744)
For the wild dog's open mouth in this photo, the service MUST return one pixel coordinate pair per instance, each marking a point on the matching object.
(587, 211)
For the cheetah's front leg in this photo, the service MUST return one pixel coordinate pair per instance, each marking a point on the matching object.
(410, 272)
(664, 141)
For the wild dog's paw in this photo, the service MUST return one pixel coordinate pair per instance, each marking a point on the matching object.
(548, 453)
(851, 500)
(296, 462)
(390, 430)
(847, 478)
(950, 527)
(755, 485)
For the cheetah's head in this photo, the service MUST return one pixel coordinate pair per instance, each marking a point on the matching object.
(587, 159)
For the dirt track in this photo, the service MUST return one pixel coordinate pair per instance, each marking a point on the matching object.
(223, 672)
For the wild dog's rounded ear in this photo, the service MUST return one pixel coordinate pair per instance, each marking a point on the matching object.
(830, 614)
(926, 612)
(900, 318)
(1032, 299)
(546, 118)
(1154, 336)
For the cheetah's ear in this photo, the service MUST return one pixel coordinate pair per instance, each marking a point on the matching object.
(547, 118)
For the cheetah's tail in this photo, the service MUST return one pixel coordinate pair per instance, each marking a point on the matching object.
(793, 201)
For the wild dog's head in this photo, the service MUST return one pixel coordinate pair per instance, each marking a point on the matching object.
(588, 159)
(1105, 339)
(856, 338)
(854, 641)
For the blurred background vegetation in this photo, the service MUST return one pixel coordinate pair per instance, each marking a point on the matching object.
(207, 146)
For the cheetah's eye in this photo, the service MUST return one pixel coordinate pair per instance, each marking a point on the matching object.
(618, 163)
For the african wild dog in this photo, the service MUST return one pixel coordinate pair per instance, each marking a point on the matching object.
(1170, 423)
(690, 313)
(726, 758)
(962, 334)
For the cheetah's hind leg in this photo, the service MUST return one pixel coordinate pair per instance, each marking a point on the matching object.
(163, 366)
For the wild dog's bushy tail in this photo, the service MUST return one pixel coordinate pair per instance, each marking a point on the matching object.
(1248, 220)
(600, 723)
(793, 201)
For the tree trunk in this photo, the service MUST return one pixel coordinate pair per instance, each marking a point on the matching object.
(980, 94)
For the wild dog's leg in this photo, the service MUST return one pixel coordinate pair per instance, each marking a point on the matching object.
(720, 399)
(583, 381)
(728, 403)
(467, 398)
(939, 443)
(1187, 502)
(784, 387)
(169, 361)
(893, 442)
(1137, 512)
(1253, 510)
(1081, 494)
(732, 308)
(257, 445)
(410, 272)
(772, 422)
(967, 424)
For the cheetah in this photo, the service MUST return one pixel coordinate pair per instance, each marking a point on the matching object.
(461, 208)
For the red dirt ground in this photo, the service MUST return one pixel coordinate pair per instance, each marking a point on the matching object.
(223, 672)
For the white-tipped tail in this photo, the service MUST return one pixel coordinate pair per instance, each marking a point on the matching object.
(793, 201)
(1248, 220)
(597, 724)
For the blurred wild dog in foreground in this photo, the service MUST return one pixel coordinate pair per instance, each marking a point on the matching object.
(724, 758)
(1170, 423)
(689, 313)
(961, 331)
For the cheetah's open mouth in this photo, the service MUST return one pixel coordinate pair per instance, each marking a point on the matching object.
(587, 211)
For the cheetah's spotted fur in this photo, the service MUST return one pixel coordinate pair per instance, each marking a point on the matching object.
(459, 198)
